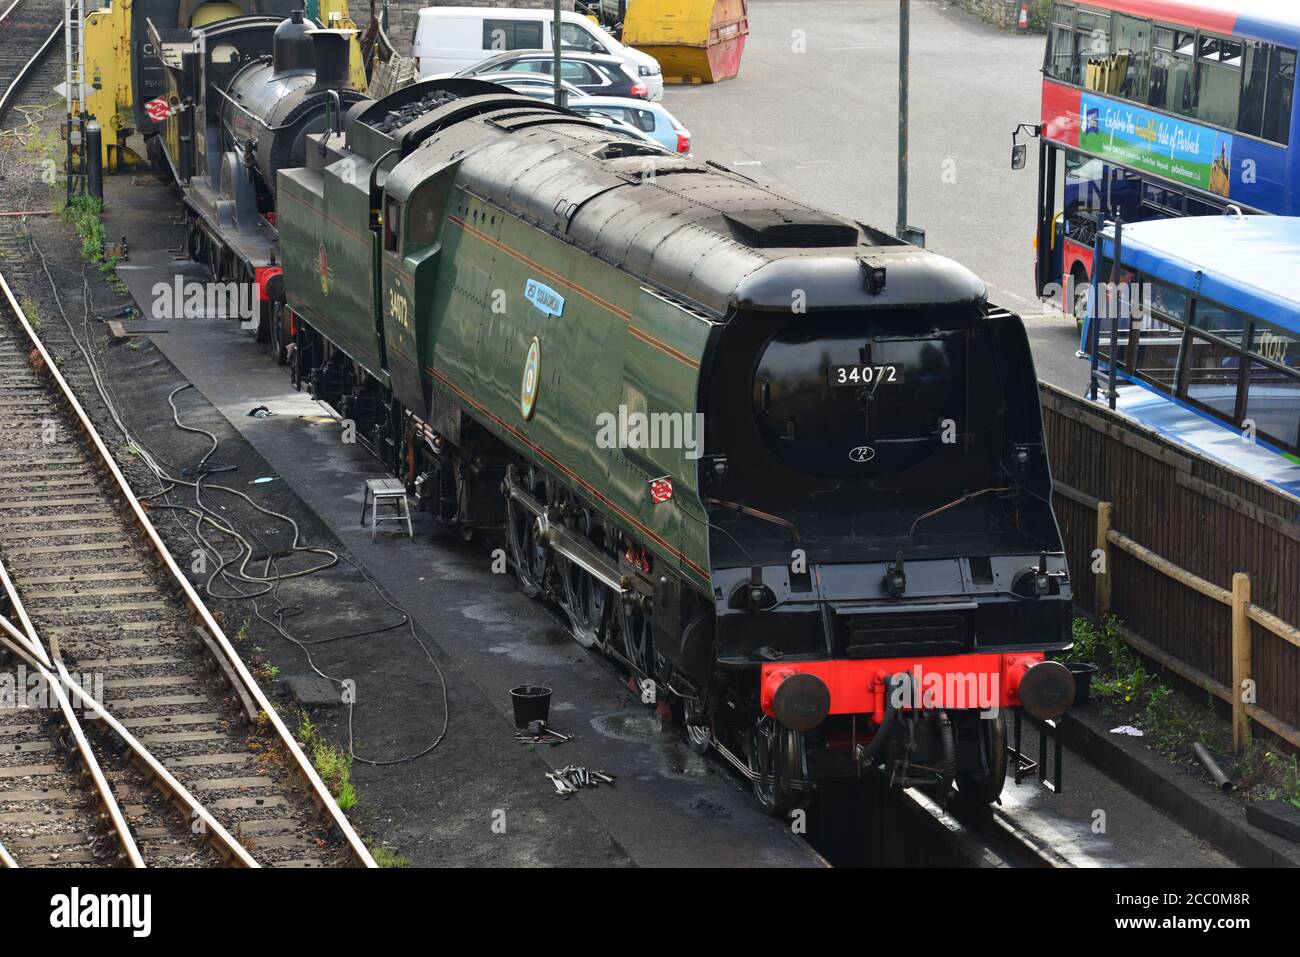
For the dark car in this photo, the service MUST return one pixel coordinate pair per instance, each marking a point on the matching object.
(596, 74)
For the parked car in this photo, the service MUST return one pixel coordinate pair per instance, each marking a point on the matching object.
(449, 39)
(653, 119)
(627, 129)
(533, 84)
(596, 74)
(543, 88)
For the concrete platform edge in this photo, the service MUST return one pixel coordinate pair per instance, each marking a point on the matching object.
(1208, 815)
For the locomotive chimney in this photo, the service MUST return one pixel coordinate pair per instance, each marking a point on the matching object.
(331, 52)
(291, 46)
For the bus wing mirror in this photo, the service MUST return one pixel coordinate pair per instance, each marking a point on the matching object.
(1019, 153)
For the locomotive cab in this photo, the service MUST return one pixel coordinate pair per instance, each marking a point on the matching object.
(879, 504)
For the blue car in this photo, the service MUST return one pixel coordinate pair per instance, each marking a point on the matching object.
(650, 118)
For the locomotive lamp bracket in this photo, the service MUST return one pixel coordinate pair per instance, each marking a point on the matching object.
(874, 275)
(716, 466)
(896, 577)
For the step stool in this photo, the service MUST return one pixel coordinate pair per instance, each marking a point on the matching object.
(390, 492)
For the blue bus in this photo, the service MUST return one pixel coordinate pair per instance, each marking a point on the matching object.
(1161, 108)
(1205, 336)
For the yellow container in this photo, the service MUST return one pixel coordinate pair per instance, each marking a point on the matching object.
(695, 41)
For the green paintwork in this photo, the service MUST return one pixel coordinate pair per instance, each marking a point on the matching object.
(331, 209)
(458, 308)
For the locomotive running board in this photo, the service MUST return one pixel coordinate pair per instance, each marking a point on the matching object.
(560, 540)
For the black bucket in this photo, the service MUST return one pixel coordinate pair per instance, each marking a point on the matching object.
(1083, 673)
(531, 703)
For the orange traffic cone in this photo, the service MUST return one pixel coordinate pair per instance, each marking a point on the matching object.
(1023, 25)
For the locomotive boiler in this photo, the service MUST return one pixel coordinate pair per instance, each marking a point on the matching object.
(853, 565)
(246, 94)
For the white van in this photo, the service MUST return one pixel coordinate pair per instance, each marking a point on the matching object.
(448, 39)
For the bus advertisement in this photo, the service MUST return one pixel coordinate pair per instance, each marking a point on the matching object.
(1153, 109)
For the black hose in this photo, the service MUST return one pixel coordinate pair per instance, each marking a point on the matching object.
(877, 743)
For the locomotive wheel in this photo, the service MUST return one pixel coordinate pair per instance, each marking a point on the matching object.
(527, 554)
(277, 347)
(265, 319)
(587, 600)
(984, 786)
(699, 738)
(637, 640)
(776, 755)
(196, 241)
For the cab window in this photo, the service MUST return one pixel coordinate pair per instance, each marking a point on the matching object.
(423, 211)
(392, 224)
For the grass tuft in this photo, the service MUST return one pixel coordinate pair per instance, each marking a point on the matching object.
(386, 857)
(332, 763)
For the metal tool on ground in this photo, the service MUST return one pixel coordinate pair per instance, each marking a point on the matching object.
(538, 732)
(569, 780)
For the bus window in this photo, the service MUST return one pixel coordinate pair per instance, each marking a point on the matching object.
(1092, 185)
(1172, 71)
(1061, 51)
(1093, 39)
(1162, 201)
(1273, 404)
(1276, 345)
(1167, 304)
(1133, 37)
(1160, 338)
(1219, 321)
(1199, 207)
(1254, 88)
(1211, 372)
(1281, 95)
(1218, 81)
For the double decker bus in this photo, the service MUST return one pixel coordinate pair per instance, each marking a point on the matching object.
(1154, 109)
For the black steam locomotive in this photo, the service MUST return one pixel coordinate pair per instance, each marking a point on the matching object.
(246, 94)
(857, 567)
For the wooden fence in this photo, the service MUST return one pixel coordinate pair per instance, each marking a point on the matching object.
(1200, 562)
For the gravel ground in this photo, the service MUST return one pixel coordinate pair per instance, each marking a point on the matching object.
(138, 637)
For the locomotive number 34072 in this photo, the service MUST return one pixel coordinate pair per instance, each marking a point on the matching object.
(888, 374)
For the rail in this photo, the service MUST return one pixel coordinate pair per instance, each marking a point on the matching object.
(229, 660)
(99, 783)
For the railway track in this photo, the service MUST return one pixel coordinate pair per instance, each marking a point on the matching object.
(985, 836)
(30, 29)
(130, 731)
(198, 764)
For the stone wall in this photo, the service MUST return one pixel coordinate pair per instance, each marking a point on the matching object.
(1001, 13)
(401, 13)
